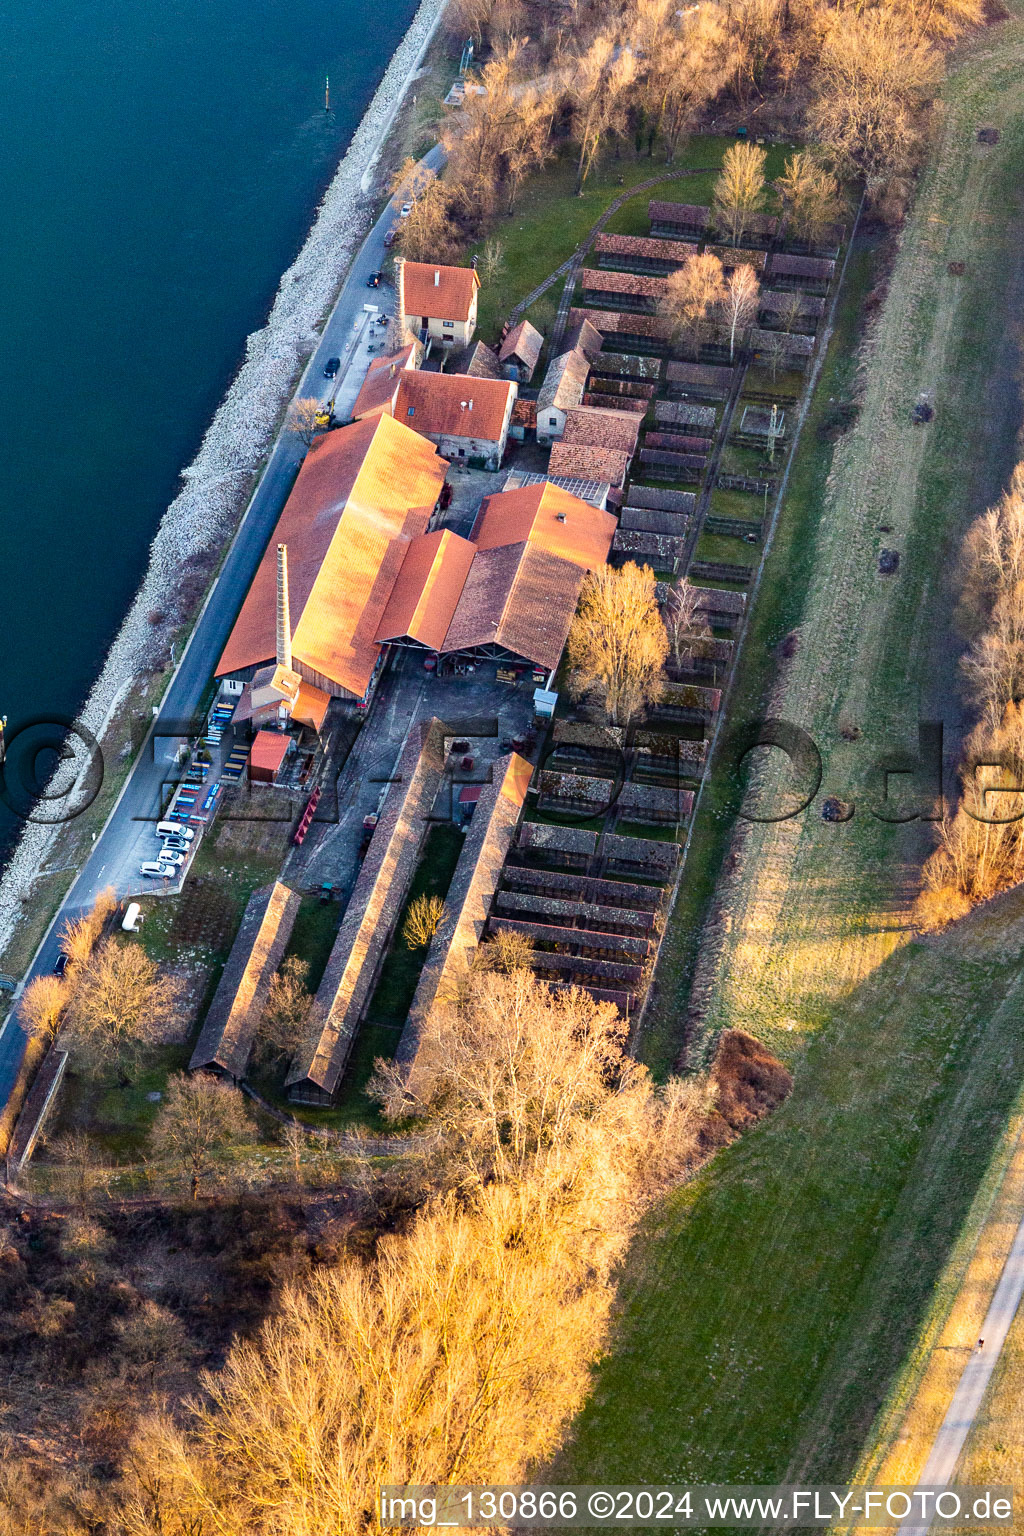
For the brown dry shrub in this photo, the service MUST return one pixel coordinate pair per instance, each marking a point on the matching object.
(748, 1083)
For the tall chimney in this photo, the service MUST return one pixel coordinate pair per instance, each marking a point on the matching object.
(284, 623)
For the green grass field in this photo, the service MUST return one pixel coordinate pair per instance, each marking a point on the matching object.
(768, 1309)
(550, 220)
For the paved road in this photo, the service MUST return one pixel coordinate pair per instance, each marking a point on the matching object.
(967, 1399)
(119, 847)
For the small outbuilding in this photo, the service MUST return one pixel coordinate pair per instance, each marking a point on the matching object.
(519, 353)
(267, 755)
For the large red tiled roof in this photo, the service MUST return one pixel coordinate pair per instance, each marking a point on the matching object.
(364, 491)
(429, 586)
(551, 518)
(534, 547)
(439, 293)
(453, 404)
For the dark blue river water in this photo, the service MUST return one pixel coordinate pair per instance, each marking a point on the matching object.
(160, 161)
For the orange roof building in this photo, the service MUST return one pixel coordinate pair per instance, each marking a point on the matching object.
(512, 588)
(438, 303)
(378, 388)
(266, 755)
(468, 418)
(364, 493)
(426, 594)
(551, 519)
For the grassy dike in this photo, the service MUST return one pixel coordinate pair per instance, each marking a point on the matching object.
(767, 1309)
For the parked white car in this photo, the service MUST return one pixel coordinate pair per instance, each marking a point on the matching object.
(174, 829)
(168, 856)
(153, 869)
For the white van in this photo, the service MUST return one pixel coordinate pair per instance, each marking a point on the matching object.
(174, 829)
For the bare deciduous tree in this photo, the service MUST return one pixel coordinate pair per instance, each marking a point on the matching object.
(692, 293)
(42, 1007)
(597, 85)
(302, 414)
(811, 195)
(120, 1004)
(80, 935)
(872, 81)
(286, 1012)
(506, 951)
(682, 620)
(740, 189)
(787, 307)
(981, 848)
(459, 1350)
(617, 643)
(422, 921)
(199, 1118)
(742, 291)
(492, 261)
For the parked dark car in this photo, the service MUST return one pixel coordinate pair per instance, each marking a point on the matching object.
(62, 964)
(331, 367)
(373, 281)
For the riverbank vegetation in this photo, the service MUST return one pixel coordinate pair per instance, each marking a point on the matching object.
(441, 1325)
(638, 76)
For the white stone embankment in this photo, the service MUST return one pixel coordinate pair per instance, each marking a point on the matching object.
(204, 514)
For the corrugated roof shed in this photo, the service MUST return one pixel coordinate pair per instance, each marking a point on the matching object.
(625, 323)
(634, 284)
(732, 257)
(372, 912)
(541, 838)
(662, 501)
(816, 268)
(227, 1034)
(685, 215)
(362, 493)
(635, 247)
(468, 902)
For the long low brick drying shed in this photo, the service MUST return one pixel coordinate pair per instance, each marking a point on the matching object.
(225, 1043)
(370, 917)
(468, 902)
